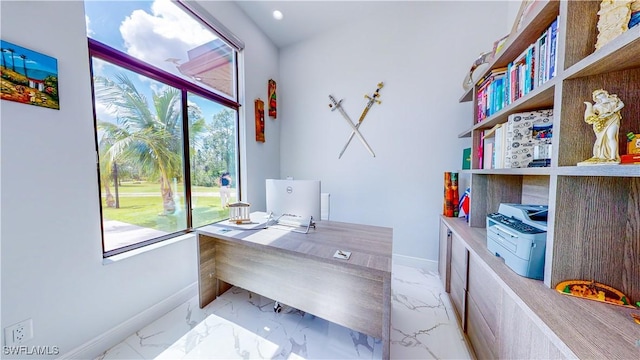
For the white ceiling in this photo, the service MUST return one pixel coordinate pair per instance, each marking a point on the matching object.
(305, 19)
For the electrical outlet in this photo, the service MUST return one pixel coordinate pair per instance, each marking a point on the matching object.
(19, 333)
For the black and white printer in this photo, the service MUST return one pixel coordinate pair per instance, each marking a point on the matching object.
(518, 234)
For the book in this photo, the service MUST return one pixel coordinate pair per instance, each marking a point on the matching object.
(466, 159)
(542, 58)
(500, 144)
(630, 159)
(553, 44)
(520, 142)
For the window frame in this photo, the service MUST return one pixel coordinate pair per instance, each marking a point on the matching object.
(116, 57)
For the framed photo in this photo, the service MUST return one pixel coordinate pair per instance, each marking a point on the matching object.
(28, 77)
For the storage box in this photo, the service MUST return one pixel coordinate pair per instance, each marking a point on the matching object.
(525, 131)
(633, 146)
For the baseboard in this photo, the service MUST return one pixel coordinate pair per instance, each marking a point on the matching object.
(98, 345)
(427, 265)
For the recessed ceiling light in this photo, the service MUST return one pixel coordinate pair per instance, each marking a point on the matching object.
(277, 14)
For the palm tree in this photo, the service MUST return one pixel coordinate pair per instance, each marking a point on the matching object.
(13, 62)
(151, 140)
(4, 65)
(24, 65)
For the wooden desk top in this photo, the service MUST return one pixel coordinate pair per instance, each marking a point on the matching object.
(370, 246)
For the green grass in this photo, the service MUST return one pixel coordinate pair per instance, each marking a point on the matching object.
(146, 211)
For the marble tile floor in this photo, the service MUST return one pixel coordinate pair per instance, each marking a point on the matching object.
(243, 325)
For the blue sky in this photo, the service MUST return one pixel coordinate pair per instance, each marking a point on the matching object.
(35, 60)
(136, 28)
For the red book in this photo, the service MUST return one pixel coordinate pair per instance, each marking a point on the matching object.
(630, 159)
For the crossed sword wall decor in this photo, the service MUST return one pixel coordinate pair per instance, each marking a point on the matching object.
(338, 105)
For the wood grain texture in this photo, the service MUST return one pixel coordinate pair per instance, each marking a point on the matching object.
(594, 331)
(352, 298)
(486, 293)
(299, 270)
(206, 271)
(535, 190)
(458, 298)
(600, 239)
(582, 59)
(581, 30)
(577, 137)
(539, 19)
(594, 224)
(459, 259)
(480, 334)
(520, 338)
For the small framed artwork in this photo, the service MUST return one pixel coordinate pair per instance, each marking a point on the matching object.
(273, 103)
(259, 112)
(28, 77)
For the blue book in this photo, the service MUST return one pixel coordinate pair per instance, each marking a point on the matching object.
(507, 85)
(553, 59)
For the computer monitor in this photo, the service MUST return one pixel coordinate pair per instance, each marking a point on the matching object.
(294, 197)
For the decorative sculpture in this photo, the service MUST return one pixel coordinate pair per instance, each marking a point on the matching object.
(605, 117)
(613, 20)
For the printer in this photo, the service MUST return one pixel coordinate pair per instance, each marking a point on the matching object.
(518, 234)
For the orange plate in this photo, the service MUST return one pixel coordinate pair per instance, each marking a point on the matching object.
(608, 289)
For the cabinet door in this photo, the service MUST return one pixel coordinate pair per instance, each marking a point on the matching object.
(444, 257)
(458, 285)
(483, 310)
(520, 337)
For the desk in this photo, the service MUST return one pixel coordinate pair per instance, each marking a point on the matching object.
(299, 270)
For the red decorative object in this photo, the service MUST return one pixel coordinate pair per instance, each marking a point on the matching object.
(259, 105)
(273, 103)
(451, 200)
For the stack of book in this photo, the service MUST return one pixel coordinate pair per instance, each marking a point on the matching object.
(523, 141)
(536, 65)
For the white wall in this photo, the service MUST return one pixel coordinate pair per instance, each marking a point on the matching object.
(51, 256)
(422, 51)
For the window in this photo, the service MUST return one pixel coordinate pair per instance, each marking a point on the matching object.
(166, 119)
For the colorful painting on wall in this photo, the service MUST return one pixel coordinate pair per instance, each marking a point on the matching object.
(259, 104)
(273, 103)
(28, 77)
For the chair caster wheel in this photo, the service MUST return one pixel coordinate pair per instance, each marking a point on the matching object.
(277, 307)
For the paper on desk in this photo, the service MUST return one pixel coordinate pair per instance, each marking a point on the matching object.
(341, 254)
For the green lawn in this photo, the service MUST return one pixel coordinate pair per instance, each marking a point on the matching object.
(146, 211)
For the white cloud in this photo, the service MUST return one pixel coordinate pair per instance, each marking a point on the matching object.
(87, 22)
(166, 33)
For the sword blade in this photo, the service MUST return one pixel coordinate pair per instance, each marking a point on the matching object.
(353, 127)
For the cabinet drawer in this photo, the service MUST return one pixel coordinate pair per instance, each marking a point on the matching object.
(486, 293)
(458, 297)
(482, 338)
(459, 256)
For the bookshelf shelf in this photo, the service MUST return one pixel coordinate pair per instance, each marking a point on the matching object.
(594, 211)
(517, 171)
(621, 53)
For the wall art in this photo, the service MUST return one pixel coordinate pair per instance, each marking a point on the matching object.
(259, 112)
(273, 103)
(28, 77)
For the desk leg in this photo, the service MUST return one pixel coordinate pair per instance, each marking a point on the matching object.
(209, 286)
(386, 321)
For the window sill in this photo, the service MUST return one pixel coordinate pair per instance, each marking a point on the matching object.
(119, 257)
